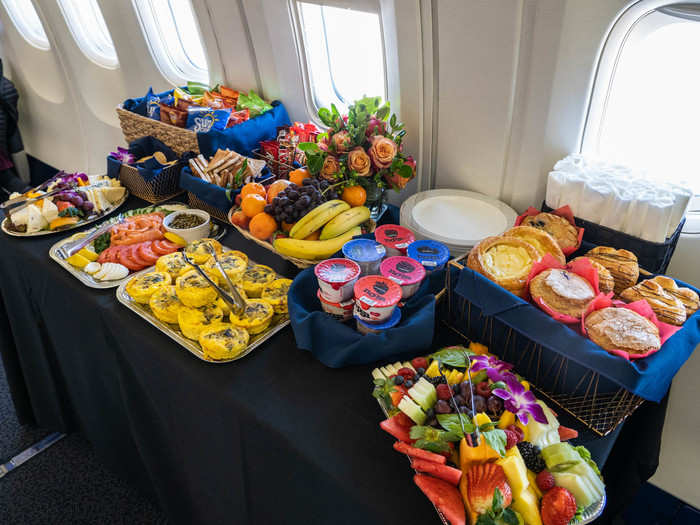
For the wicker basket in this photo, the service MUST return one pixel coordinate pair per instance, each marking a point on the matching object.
(135, 126)
(159, 189)
(196, 202)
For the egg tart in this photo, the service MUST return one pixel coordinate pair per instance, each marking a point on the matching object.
(621, 264)
(141, 288)
(193, 290)
(504, 260)
(198, 250)
(668, 308)
(173, 263)
(232, 264)
(606, 283)
(256, 277)
(562, 291)
(540, 239)
(688, 297)
(558, 227)
(255, 318)
(622, 329)
(275, 293)
(193, 321)
(165, 304)
(223, 341)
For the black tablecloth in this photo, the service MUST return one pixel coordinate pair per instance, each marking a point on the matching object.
(273, 438)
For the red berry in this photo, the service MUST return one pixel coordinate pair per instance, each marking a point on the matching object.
(420, 362)
(483, 389)
(406, 373)
(511, 438)
(443, 391)
(403, 420)
(544, 480)
(519, 431)
(558, 506)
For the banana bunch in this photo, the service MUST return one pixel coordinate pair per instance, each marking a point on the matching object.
(337, 222)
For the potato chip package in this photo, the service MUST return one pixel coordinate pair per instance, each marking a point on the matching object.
(203, 120)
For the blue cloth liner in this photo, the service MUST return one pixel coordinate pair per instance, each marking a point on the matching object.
(649, 378)
(212, 194)
(144, 147)
(242, 138)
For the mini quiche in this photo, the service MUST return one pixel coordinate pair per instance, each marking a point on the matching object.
(255, 318)
(198, 250)
(231, 263)
(223, 341)
(275, 293)
(193, 321)
(255, 279)
(173, 263)
(193, 290)
(142, 287)
(238, 254)
(165, 304)
(224, 306)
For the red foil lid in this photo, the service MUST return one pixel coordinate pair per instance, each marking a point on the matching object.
(375, 290)
(394, 235)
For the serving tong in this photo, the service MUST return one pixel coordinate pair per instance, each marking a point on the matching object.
(71, 247)
(235, 301)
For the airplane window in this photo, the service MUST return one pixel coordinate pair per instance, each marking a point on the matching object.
(644, 113)
(89, 29)
(26, 20)
(340, 69)
(174, 38)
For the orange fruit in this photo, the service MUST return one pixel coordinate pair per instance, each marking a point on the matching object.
(253, 188)
(240, 219)
(253, 204)
(275, 188)
(262, 226)
(313, 236)
(287, 227)
(354, 195)
(298, 176)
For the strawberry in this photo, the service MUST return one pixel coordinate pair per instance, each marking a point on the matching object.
(558, 506)
(482, 482)
(419, 362)
(519, 431)
(544, 480)
(443, 391)
(512, 438)
(406, 373)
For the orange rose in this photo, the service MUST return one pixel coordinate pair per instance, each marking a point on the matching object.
(359, 161)
(330, 168)
(396, 180)
(382, 151)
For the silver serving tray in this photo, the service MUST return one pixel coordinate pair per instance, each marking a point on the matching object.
(217, 231)
(279, 321)
(590, 514)
(40, 233)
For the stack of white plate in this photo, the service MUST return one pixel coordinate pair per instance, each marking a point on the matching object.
(457, 218)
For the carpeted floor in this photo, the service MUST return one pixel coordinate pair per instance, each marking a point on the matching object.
(65, 484)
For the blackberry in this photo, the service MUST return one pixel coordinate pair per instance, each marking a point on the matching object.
(531, 456)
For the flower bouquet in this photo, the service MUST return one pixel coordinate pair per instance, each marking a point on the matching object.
(361, 149)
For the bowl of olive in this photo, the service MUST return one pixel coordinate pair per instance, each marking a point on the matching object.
(189, 224)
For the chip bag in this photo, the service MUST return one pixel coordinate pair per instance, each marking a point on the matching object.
(203, 120)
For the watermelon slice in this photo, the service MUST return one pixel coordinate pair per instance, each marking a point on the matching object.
(419, 453)
(444, 496)
(566, 433)
(449, 474)
(394, 427)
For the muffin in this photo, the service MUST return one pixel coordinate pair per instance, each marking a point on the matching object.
(223, 341)
(142, 287)
(562, 291)
(558, 227)
(165, 304)
(255, 278)
(255, 318)
(275, 293)
(193, 321)
(193, 290)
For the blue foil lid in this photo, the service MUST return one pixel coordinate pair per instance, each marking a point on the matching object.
(429, 253)
(363, 250)
(389, 323)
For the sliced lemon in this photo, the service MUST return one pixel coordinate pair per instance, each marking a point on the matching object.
(174, 237)
(88, 254)
(78, 261)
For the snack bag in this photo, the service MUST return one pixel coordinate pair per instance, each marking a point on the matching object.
(237, 117)
(152, 105)
(203, 120)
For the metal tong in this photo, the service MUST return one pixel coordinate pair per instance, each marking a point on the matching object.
(235, 301)
(18, 203)
(69, 248)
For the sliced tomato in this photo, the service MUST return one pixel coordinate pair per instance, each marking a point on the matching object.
(160, 248)
(133, 253)
(124, 259)
(146, 253)
(170, 245)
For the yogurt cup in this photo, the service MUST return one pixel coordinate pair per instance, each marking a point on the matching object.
(394, 238)
(339, 311)
(376, 298)
(433, 255)
(365, 252)
(336, 277)
(404, 271)
(366, 328)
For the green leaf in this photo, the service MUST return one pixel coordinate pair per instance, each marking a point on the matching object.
(509, 517)
(325, 115)
(314, 163)
(452, 356)
(450, 422)
(432, 446)
(496, 439)
(309, 147)
(586, 456)
(101, 243)
(383, 112)
(485, 427)
(498, 384)
(405, 171)
(497, 502)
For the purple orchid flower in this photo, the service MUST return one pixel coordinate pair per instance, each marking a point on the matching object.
(495, 368)
(519, 401)
(123, 155)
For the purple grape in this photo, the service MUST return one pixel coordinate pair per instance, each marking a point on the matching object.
(442, 407)
(495, 405)
(88, 206)
(479, 403)
(77, 201)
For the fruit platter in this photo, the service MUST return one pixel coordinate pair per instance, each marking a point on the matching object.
(304, 221)
(122, 245)
(484, 449)
(176, 299)
(64, 202)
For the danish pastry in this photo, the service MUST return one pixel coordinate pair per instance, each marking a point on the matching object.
(668, 308)
(558, 227)
(165, 305)
(193, 290)
(622, 265)
(563, 291)
(622, 329)
(504, 260)
(141, 288)
(223, 341)
(688, 297)
(606, 283)
(255, 318)
(540, 239)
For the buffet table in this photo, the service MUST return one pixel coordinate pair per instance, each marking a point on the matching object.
(274, 438)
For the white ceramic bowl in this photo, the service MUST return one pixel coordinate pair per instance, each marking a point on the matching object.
(189, 234)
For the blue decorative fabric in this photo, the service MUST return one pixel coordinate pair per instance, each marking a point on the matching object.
(649, 378)
(143, 147)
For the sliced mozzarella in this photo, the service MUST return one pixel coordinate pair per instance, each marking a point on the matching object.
(92, 267)
(116, 271)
